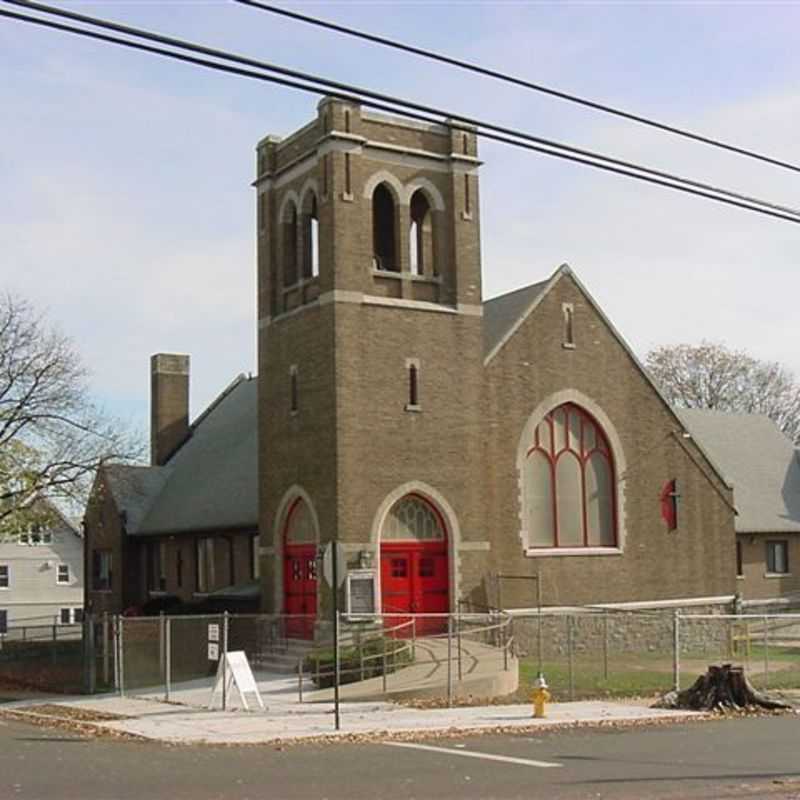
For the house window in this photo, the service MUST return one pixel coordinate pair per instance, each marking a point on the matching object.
(383, 230)
(3, 621)
(101, 571)
(568, 483)
(778, 558)
(179, 567)
(739, 569)
(62, 575)
(4, 576)
(156, 563)
(71, 616)
(205, 564)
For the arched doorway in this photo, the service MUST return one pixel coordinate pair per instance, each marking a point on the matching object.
(415, 575)
(300, 570)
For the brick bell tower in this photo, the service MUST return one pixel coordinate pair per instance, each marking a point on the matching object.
(369, 341)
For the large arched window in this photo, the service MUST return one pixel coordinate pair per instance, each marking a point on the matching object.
(310, 237)
(290, 245)
(384, 252)
(421, 235)
(412, 519)
(569, 482)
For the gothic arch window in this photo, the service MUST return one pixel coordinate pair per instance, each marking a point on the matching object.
(568, 482)
(412, 519)
(300, 528)
(310, 237)
(421, 235)
(384, 250)
(290, 245)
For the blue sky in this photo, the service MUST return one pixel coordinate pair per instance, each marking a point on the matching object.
(126, 211)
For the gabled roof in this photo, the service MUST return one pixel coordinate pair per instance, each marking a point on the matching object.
(759, 460)
(509, 311)
(210, 482)
(502, 314)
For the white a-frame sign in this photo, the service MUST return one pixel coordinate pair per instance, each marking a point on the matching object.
(234, 670)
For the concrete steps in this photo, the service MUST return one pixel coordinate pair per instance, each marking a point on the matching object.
(282, 659)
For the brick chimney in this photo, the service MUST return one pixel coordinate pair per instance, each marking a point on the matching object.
(169, 404)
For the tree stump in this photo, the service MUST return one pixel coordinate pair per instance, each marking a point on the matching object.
(722, 688)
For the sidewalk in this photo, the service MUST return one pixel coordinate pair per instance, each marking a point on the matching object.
(287, 720)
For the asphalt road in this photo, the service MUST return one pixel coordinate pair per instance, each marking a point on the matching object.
(743, 758)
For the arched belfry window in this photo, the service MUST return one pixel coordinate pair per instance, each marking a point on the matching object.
(300, 528)
(384, 251)
(412, 519)
(421, 235)
(310, 237)
(569, 483)
(290, 245)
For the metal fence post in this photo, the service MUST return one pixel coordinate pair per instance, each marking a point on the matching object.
(106, 653)
(54, 643)
(300, 681)
(413, 638)
(676, 650)
(570, 657)
(121, 651)
(89, 663)
(449, 660)
(458, 645)
(766, 652)
(167, 658)
(224, 661)
(384, 665)
(161, 654)
(605, 645)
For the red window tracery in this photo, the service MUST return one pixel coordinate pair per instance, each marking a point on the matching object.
(569, 482)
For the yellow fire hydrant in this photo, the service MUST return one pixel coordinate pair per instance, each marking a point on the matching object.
(540, 696)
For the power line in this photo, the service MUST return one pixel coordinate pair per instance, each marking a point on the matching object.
(513, 79)
(416, 107)
(710, 192)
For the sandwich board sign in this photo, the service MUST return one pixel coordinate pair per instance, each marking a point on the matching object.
(234, 671)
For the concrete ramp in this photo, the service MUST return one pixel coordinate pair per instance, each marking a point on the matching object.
(483, 672)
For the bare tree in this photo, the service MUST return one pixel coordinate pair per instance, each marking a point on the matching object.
(709, 375)
(52, 435)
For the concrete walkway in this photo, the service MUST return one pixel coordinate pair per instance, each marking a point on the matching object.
(287, 720)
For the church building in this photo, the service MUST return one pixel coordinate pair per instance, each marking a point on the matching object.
(446, 441)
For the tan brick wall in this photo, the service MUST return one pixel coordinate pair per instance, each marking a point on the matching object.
(696, 560)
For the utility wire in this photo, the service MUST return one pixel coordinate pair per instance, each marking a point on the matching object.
(225, 55)
(502, 76)
(383, 98)
(719, 195)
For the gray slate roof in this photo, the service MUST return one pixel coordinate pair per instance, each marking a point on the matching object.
(211, 482)
(760, 462)
(500, 314)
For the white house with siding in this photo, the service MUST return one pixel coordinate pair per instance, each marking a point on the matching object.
(41, 577)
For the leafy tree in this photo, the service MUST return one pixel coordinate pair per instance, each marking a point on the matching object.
(52, 435)
(710, 375)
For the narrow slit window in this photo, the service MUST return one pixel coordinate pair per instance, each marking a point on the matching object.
(347, 187)
(311, 238)
(467, 202)
(290, 248)
(568, 311)
(412, 371)
(293, 400)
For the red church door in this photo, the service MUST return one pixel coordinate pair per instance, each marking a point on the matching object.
(415, 575)
(300, 571)
(414, 580)
(300, 588)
